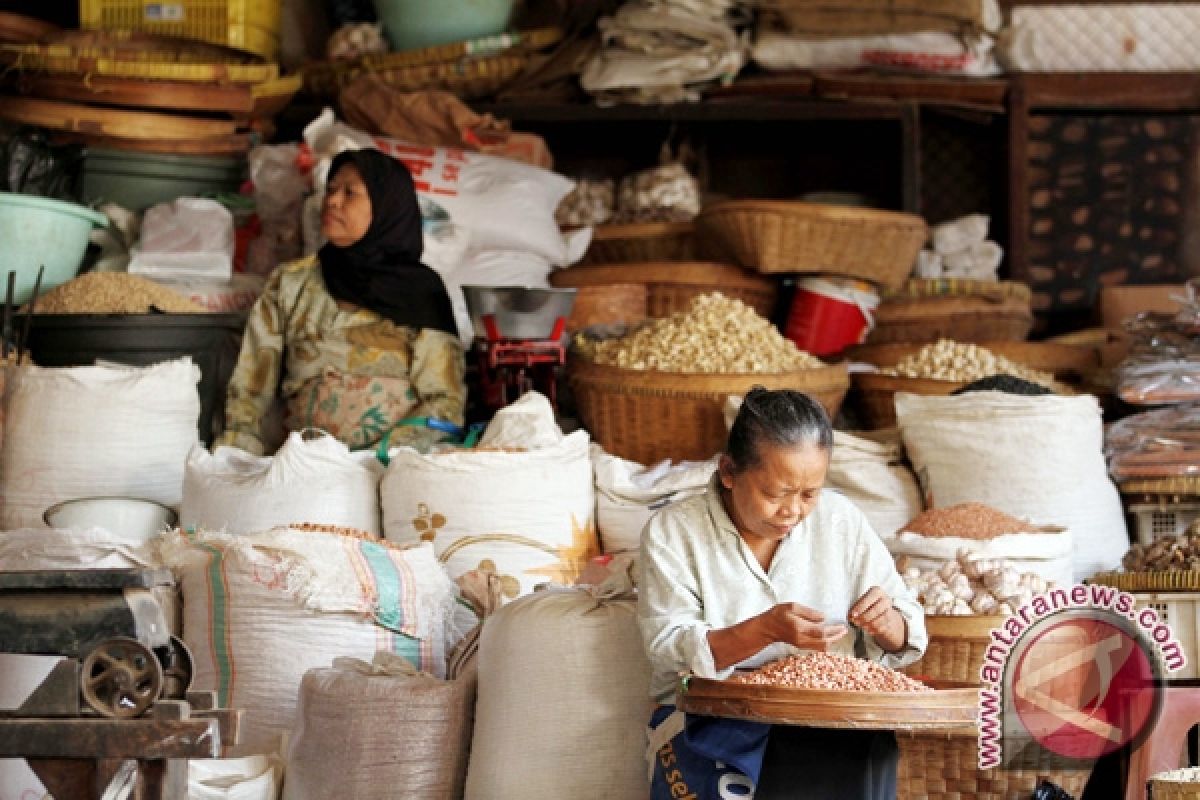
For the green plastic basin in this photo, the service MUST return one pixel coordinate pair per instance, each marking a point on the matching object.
(38, 231)
(139, 180)
(413, 24)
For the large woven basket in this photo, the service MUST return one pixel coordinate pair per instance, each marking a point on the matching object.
(671, 285)
(644, 241)
(646, 416)
(945, 766)
(782, 236)
(956, 648)
(1176, 784)
(966, 311)
(607, 304)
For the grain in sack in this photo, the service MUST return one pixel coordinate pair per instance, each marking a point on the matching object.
(628, 494)
(563, 693)
(90, 431)
(1039, 458)
(365, 729)
(309, 479)
(262, 609)
(520, 505)
(873, 475)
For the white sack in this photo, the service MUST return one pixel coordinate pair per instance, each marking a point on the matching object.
(959, 234)
(248, 778)
(1048, 554)
(563, 699)
(526, 515)
(365, 729)
(262, 609)
(628, 494)
(873, 476)
(933, 52)
(1038, 458)
(89, 431)
(317, 481)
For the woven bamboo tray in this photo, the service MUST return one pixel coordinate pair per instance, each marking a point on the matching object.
(966, 311)
(1183, 485)
(946, 709)
(781, 236)
(78, 118)
(646, 416)
(649, 241)
(1177, 581)
(957, 645)
(607, 304)
(671, 285)
(67, 61)
(940, 766)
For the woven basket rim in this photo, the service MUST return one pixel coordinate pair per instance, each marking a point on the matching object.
(912, 313)
(1066, 357)
(877, 382)
(1179, 485)
(929, 288)
(832, 213)
(631, 230)
(1149, 581)
(962, 626)
(682, 273)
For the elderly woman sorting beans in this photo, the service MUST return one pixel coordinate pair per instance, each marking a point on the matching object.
(763, 565)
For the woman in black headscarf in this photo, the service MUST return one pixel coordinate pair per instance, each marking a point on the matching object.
(359, 340)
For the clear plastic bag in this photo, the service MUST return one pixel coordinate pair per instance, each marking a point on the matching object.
(1163, 365)
(1155, 444)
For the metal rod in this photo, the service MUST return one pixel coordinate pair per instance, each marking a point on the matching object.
(6, 322)
(23, 341)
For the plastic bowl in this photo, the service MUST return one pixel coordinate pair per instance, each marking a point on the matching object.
(38, 231)
(520, 313)
(413, 24)
(131, 517)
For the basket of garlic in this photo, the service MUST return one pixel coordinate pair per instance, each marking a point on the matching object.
(658, 391)
(964, 599)
(941, 367)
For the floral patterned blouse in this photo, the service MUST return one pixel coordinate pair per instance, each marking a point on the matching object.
(353, 373)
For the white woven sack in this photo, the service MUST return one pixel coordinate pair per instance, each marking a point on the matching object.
(248, 778)
(1038, 458)
(1049, 554)
(317, 480)
(525, 515)
(873, 476)
(365, 730)
(562, 702)
(262, 609)
(91, 431)
(628, 494)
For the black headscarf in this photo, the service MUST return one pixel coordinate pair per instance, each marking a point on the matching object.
(382, 271)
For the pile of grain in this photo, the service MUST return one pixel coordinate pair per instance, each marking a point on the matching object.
(947, 360)
(716, 334)
(1179, 553)
(113, 293)
(831, 671)
(968, 521)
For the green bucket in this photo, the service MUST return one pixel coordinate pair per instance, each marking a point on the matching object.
(139, 180)
(40, 232)
(414, 24)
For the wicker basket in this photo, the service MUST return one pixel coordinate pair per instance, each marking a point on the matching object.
(781, 236)
(966, 311)
(649, 241)
(1176, 784)
(608, 304)
(671, 285)
(945, 766)
(647, 416)
(875, 395)
(956, 648)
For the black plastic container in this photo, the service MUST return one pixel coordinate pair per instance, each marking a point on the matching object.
(212, 340)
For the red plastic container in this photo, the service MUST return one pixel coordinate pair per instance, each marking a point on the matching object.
(829, 315)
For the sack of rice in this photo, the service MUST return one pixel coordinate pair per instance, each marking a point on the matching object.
(92, 431)
(316, 480)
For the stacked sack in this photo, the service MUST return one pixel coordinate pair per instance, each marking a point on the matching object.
(961, 249)
(520, 504)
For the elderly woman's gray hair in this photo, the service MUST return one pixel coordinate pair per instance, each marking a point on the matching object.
(779, 418)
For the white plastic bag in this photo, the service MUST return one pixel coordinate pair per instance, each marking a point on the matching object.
(190, 238)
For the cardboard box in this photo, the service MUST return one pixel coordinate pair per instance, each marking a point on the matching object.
(1120, 302)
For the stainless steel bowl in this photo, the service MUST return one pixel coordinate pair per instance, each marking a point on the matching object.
(520, 313)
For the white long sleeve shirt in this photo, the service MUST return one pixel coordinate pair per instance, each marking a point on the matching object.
(697, 574)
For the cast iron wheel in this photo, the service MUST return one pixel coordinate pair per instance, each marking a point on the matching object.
(178, 669)
(121, 678)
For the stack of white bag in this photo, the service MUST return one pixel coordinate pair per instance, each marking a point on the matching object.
(315, 480)
(1038, 458)
(961, 249)
(629, 494)
(262, 609)
(521, 504)
(372, 731)
(93, 431)
(662, 51)
(873, 475)
(563, 697)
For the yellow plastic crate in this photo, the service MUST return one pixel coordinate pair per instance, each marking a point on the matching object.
(251, 25)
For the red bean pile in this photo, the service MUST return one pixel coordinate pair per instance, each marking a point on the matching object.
(831, 671)
(967, 521)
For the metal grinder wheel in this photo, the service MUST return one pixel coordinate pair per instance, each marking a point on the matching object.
(178, 669)
(121, 678)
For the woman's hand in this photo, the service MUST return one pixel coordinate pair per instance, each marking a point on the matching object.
(876, 616)
(800, 626)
